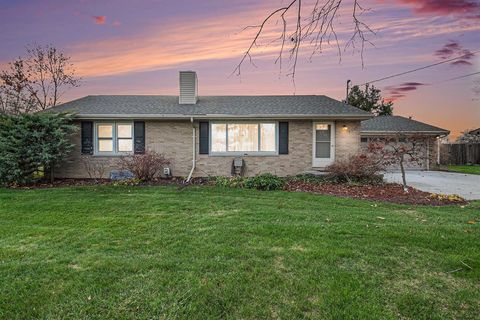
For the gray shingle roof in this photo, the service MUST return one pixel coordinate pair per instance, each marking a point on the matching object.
(248, 106)
(397, 124)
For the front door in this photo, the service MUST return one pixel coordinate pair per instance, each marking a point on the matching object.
(323, 144)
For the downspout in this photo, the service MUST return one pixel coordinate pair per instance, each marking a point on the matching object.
(438, 148)
(438, 151)
(193, 153)
(428, 154)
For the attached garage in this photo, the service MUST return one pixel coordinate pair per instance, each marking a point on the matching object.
(400, 130)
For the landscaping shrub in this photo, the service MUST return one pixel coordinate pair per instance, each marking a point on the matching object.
(31, 143)
(229, 182)
(145, 167)
(358, 168)
(266, 181)
(309, 178)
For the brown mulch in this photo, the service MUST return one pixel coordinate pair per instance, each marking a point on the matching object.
(390, 192)
(58, 183)
(382, 192)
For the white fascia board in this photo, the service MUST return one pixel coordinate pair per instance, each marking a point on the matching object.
(222, 116)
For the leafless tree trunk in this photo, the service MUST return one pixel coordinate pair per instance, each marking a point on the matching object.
(314, 28)
(402, 169)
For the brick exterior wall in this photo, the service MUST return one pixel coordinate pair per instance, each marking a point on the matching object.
(174, 140)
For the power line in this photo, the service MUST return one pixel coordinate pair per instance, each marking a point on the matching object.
(464, 76)
(421, 68)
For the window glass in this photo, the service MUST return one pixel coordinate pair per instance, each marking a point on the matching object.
(105, 145)
(242, 137)
(124, 131)
(105, 131)
(219, 137)
(125, 145)
(323, 132)
(114, 137)
(323, 137)
(267, 137)
(322, 150)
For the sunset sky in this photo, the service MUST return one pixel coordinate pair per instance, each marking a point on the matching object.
(138, 47)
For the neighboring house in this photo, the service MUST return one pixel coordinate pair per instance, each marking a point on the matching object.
(283, 135)
(402, 129)
(475, 132)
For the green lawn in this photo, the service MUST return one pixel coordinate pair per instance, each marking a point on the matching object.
(474, 169)
(211, 253)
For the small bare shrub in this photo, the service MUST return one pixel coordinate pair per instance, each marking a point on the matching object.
(94, 169)
(400, 150)
(358, 168)
(145, 166)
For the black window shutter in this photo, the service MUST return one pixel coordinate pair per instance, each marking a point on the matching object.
(139, 137)
(87, 137)
(283, 137)
(204, 137)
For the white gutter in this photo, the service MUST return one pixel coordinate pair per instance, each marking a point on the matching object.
(222, 116)
(194, 161)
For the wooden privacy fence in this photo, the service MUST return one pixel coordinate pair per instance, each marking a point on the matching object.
(460, 153)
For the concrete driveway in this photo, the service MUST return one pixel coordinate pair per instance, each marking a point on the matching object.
(465, 185)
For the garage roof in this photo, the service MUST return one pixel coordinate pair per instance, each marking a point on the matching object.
(398, 124)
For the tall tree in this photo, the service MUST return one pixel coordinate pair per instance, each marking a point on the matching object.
(31, 143)
(15, 97)
(37, 81)
(370, 100)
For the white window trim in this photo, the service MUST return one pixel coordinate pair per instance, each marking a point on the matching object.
(242, 153)
(115, 151)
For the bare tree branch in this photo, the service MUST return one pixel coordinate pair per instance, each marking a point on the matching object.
(316, 29)
(37, 81)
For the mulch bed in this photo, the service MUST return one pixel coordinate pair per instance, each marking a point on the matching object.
(58, 183)
(382, 192)
(390, 192)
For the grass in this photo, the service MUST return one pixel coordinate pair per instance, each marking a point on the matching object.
(212, 253)
(472, 169)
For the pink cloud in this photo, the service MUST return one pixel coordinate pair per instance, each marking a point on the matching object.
(461, 63)
(452, 49)
(469, 9)
(396, 92)
(99, 19)
(116, 23)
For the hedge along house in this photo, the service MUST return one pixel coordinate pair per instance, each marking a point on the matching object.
(401, 129)
(212, 135)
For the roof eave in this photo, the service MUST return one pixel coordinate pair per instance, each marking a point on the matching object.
(221, 116)
(422, 132)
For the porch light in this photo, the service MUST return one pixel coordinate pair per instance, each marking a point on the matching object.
(344, 127)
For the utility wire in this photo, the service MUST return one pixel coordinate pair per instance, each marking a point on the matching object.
(421, 68)
(464, 76)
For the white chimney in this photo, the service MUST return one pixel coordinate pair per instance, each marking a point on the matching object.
(188, 87)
